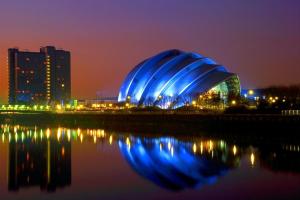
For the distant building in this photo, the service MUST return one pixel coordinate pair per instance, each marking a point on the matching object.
(39, 77)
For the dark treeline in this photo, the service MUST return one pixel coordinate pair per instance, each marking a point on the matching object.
(272, 100)
(288, 98)
(288, 92)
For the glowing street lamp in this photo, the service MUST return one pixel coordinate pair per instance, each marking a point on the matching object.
(250, 92)
(58, 107)
(168, 104)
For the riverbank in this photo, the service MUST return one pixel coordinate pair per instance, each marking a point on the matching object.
(153, 122)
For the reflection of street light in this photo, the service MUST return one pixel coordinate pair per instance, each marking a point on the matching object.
(234, 150)
(194, 148)
(252, 159)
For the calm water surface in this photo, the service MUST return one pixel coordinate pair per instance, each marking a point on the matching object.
(61, 163)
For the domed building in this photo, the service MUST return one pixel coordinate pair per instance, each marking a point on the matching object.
(175, 78)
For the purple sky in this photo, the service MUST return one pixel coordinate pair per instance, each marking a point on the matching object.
(257, 39)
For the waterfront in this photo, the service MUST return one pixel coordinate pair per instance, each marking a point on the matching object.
(92, 163)
(167, 122)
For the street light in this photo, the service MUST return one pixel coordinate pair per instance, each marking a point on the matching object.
(250, 92)
(233, 102)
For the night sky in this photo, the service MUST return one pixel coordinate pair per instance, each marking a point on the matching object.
(257, 39)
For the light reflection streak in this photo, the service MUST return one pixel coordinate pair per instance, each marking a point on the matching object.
(167, 146)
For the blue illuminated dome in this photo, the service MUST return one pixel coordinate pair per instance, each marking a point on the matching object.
(175, 78)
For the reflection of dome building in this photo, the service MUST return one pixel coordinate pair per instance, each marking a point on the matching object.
(174, 78)
(173, 165)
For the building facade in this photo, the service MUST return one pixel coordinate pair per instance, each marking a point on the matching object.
(39, 77)
(175, 78)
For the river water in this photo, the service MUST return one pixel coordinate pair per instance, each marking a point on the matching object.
(81, 163)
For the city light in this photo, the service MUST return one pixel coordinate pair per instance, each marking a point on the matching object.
(234, 149)
(110, 139)
(252, 159)
(194, 148)
(58, 107)
(132, 105)
(250, 92)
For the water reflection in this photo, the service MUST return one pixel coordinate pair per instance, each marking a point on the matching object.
(281, 160)
(42, 157)
(43, 163)
(177, 165)
(37, 161)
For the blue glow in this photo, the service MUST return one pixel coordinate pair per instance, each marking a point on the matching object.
(172, 75)
(171, 164)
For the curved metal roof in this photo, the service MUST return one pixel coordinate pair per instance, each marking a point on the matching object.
(172, 73)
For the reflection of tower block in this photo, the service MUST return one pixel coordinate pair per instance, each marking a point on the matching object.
(58, 164)
(26, 164)
(46, 163)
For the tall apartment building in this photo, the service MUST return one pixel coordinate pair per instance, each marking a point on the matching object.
(39, 77)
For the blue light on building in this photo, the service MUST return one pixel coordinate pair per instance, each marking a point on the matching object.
(175, 78)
